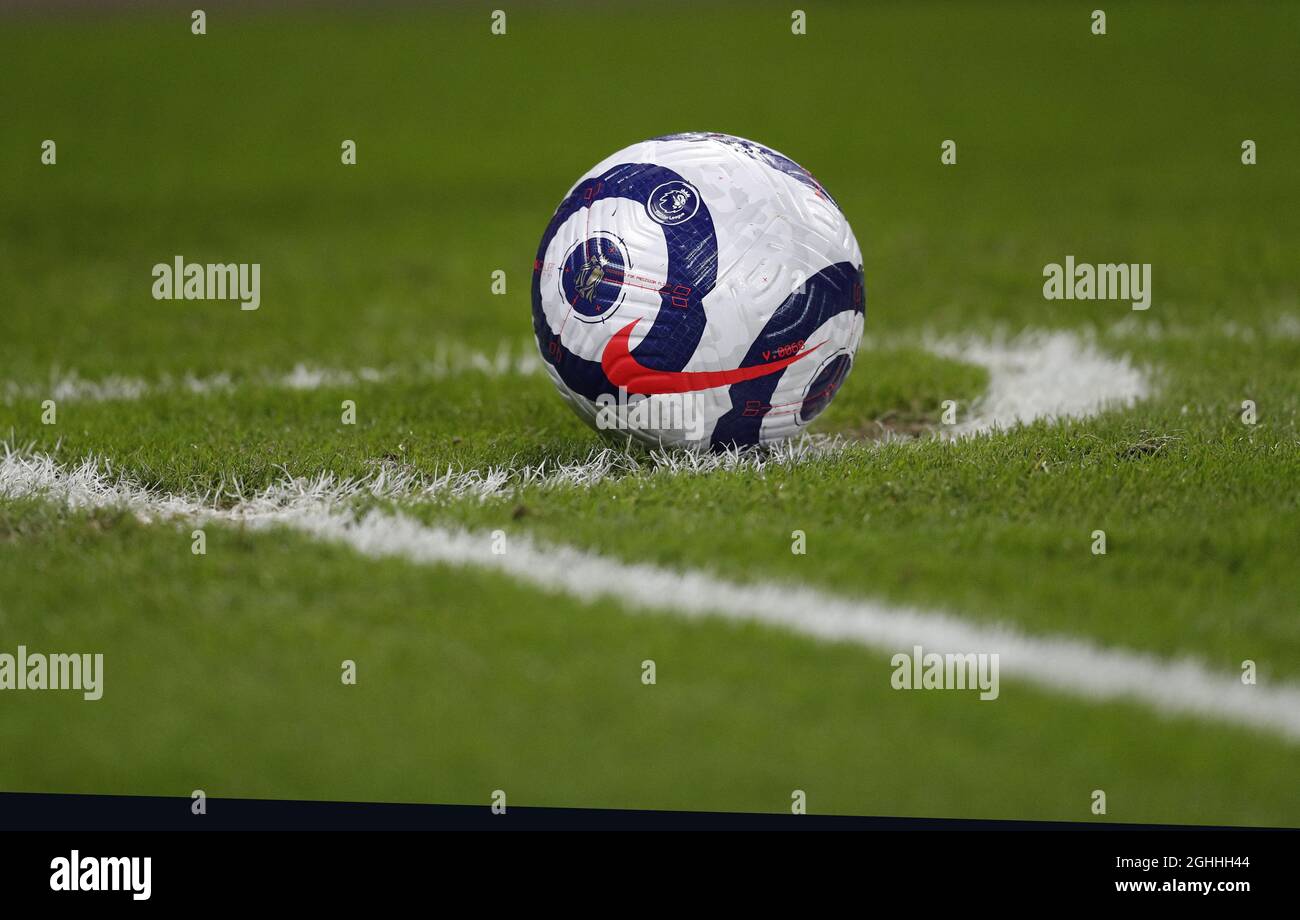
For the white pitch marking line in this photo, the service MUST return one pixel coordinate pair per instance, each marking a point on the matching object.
(1042, 375)
(1181, 687)
(446, 362)
(1038, 374)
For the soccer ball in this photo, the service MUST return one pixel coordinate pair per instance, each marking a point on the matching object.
(698, 290)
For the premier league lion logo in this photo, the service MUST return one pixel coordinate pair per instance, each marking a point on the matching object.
(673, 202)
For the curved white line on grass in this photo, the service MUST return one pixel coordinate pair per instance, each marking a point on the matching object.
(1184, 687)
(1042, 375)
(1036, 375)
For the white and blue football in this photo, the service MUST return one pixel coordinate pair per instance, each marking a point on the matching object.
(698, 290)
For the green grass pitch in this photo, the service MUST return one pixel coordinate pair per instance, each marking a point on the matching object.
(223, 670)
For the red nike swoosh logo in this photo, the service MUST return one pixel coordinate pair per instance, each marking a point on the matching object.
(624, 370)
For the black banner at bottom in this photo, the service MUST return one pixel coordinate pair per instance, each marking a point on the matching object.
(132, 849)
